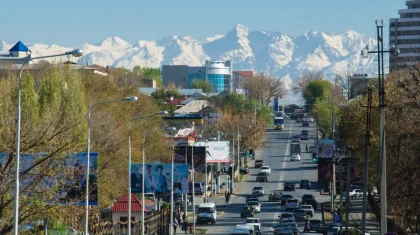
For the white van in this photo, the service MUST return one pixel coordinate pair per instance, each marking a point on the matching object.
(207, 213)
(251, 229)
(239, 231)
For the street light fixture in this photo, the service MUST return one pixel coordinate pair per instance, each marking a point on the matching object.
(129, 161)
(130, 98)
(26, 60)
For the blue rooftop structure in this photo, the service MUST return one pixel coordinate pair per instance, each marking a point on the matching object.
(19, 46)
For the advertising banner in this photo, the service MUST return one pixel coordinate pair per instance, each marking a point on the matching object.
(186, 151)
(217, 151)
(325, 148)
(158, 177)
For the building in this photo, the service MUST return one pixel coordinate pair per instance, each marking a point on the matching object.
(218, 73)
(404, 33)
(358, 85)
(120, 209)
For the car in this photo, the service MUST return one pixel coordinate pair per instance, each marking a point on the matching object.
(265, 169)
(252, 199)
(300, 118)
(291, 220)
(255, 205)
(258, 191)
(315, 225)
(287, 231)
(292, 205)
(300, 214)
(355, 193)
(262, 176)
(305, 124)
(304, 137)
(305, 184)
(291, 224)
(285, 198)
(356, 185)
(207, 213)
(309, 119)
(308, 209)
(352, 230)
(307, 196)
(289, 186)
(252, 220)
(247, 211)
(257, 227)
(312, 148)
(310, 201)
(295, 157)
(286, 215)
(296, 139)
(275, 196)
(244, 170)
(281, 227)
(258, 163)
(198, 188)
(302, 132)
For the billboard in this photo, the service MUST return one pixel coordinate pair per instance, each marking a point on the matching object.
(186, 151)
(158, 178)
(69, 180)
(325, 148)
(217, 151)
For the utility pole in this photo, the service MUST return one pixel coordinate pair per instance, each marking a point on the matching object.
(366, 170)
(381, 92)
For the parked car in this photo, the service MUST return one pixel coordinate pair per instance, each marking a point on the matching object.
(258, 163)
(305, 184)
(275, 196)
(289, 186)
(262, 177)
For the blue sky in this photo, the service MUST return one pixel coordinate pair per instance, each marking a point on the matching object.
(71, 23)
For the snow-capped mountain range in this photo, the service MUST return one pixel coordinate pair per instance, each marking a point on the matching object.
(258, 50)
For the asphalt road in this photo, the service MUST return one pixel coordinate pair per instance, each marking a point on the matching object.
(275, 153)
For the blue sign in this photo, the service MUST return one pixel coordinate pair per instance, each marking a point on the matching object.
(337, 219)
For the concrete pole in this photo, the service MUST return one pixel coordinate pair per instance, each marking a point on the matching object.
(186, 195)
(232, 180)
(347, 196)
(206, 199)
(218, 169)
(193, 185)
(341, 195)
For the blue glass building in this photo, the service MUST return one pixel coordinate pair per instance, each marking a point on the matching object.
(219, 74)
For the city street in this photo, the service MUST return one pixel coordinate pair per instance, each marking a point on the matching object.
(275, 153)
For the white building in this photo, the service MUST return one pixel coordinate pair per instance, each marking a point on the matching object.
(404, 33)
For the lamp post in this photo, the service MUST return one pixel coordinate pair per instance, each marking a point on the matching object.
(130, 98)
(26, 60)
(129, 162)
(142, 183)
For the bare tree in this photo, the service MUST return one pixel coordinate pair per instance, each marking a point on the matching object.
(303, 81)
(263, 87)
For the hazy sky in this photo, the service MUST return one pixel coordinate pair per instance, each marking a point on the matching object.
(71, 23)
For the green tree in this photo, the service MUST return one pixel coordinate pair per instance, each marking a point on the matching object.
(202, 84)
(149, 74)
(317, 89)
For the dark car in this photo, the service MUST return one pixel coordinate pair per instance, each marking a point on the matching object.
(312, 202)
(315, 225)
(198, 188)
(262, 177)
(247, 211)
(300, 215)
(289, 186)
(305, 184)
(244, 170)
(275, 196)
(305, 124)
(258, 163)
(285, 198)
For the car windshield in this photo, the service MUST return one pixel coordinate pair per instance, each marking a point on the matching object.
(315, 221)
(205, 210)
(265, 167)
(277, 192)
(253, 203)
(254, 220)
(289, 183)
(306, 207)
(259, 161)
(257, 188)
(247, 209)
(262, 174)
(286, 215)
(307, 196)
(278, 121)
(298, 211)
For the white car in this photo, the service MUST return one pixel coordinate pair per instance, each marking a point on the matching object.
(309, 119)
(295, 157)
(255, 205)
(352, 230)
(265, 169)
(259, 191)
(254, 222)
(292, 205)
(355, 193)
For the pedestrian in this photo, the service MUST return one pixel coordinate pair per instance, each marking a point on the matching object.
(306, 148)
(185, 225)
(307, 227)
(184, 216)
(175, 224)
(226, 197)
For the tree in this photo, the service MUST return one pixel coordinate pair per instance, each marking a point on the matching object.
(317, 89)
(202, 84)
(303, 81)
(149, 74)
(263, 87)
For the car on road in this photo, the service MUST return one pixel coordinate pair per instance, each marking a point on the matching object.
(305, 124)
(207, 213)
(244, 170)
(285, 198)
(252, 199)
(304, 135)
(300, 118)
(307, 196)
(315, 225)
(258, 191)
(289, 186)
(352, 230)
(286, 216)
(305, 184)
(312, 149)
(292, 205)
(247, 211)
(250, 228)
(300, 215)
(309, 210)
(255, 205)
(296, 139)
(309, 119)
(254, 222)
(355, 193)
(198, 188)
(239, 231)
(262, 177)
(258, 163)
(287, 231)
(295, 157)
(310, 201)
(275, 196)
(291, 224)
(280, 227)
(356, 185)
(265, 169)
(304, 132)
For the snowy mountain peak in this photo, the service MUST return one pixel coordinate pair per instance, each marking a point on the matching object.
(268, 51)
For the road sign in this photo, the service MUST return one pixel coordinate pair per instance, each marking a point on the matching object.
(337, 219)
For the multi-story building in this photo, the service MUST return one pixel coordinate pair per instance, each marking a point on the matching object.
(404, 33)
(218, 73)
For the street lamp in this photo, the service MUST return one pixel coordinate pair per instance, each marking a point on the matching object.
(26, 60)
(129, 162)
(142, 183)
(130, 98)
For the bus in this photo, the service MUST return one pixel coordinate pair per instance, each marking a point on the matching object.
(278, 123)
